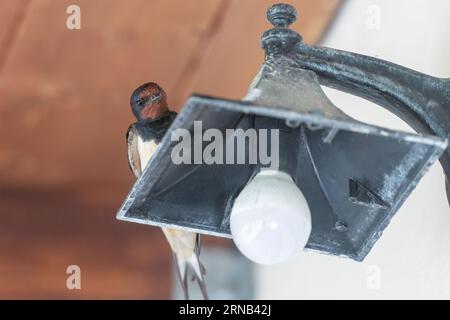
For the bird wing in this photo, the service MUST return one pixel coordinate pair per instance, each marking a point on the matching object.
(133, 152)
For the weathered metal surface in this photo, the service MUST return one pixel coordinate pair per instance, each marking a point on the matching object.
(321, 147)
(355, 176)
(420, 100)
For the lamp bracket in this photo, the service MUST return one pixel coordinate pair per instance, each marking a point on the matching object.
(422, 101)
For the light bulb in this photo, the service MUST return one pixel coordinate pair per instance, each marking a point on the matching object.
(270, 219)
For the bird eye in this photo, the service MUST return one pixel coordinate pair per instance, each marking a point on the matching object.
(140, 102)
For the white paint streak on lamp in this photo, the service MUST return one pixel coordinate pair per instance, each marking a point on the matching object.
(270, 219)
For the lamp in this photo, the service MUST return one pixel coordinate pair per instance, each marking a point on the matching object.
(354, 176)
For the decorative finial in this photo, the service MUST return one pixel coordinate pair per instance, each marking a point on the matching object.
(281, 15)
(280, 38)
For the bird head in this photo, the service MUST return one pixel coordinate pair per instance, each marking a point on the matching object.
(149, 102)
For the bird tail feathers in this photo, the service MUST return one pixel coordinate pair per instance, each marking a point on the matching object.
(194, 266)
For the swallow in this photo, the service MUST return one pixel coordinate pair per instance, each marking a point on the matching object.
(149, 105)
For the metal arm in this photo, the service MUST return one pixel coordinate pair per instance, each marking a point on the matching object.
(420, 100)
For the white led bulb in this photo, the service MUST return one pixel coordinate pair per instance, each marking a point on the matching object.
(270, 219)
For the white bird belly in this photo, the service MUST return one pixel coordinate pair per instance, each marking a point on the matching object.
(181, 242)
(146, 151)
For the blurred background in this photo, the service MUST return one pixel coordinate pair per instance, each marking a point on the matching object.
(64, 110)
